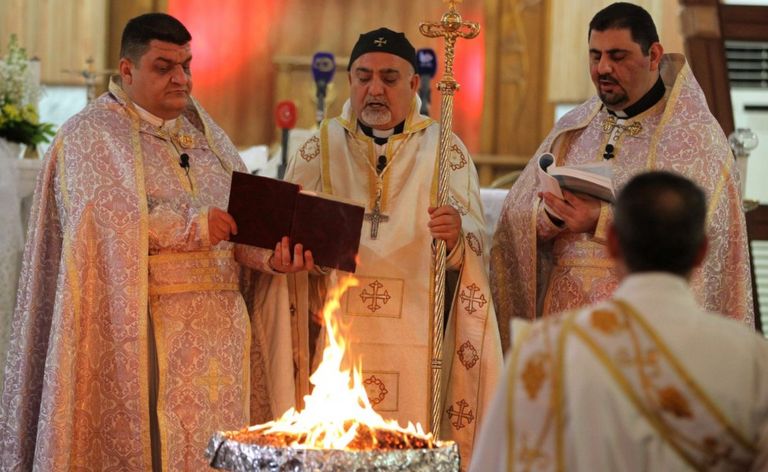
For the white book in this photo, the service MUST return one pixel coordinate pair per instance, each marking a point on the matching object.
(595, 180)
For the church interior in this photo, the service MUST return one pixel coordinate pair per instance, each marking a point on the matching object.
(526, 69)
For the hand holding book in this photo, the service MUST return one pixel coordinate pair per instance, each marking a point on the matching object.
(577, 212)
(572, 194)
(282, 261)
(220, 225)
(266, 210)
(595, 180)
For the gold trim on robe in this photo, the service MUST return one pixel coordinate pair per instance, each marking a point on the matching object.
(645, 370)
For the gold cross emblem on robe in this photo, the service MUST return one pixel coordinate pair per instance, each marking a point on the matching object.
(213, 380)
(611, 123)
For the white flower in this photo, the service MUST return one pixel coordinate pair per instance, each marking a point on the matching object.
(17, 84)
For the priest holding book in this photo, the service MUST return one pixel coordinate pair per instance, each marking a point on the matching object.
(130, 340)
(649, 113)
(382, 153)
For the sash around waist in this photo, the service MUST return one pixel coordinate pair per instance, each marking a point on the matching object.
(585, 262)
(180, 272)
(579, 251)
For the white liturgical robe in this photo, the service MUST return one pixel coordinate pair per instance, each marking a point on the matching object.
(389, 314)
(646, 381)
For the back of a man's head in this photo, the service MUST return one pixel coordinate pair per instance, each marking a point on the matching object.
(144, 28)
(659, 221)
(623, 15)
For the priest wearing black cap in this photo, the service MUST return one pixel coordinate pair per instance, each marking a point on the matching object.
(382, 153)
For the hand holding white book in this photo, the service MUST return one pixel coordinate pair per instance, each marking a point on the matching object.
(591, 179)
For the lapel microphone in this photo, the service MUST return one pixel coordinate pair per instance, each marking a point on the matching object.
(608, 153)
(381, 165)
(184, 161)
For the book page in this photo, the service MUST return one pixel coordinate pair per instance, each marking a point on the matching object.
(595, 180)
(598, 173)
(335, 198)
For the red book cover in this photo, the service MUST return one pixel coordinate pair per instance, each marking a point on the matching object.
(267, 209)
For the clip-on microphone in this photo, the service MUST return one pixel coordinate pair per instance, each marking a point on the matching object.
(184, 162)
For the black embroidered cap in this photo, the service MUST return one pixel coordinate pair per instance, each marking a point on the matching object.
(383, 40)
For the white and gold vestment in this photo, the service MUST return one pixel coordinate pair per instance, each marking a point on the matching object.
(389, 314)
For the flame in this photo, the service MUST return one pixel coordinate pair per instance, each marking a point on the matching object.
(338, 410)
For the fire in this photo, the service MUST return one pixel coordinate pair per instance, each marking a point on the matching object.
(338, 414)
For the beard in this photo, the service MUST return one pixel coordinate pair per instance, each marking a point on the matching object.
(612, 98)
(376, 111)
(376, 117)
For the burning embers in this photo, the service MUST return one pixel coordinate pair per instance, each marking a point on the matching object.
(337, 414)
(364, 438)
(338, 427)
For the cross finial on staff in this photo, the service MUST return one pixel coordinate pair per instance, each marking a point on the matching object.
(451, 27)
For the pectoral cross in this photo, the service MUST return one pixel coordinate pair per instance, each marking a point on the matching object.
(376, 217)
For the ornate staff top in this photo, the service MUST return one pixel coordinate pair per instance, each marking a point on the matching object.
(451, 27)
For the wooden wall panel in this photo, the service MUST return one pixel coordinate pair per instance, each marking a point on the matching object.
(63, 34)
(298, 28)
(120, 12)
(705, 50)
(517, 115)
(744, 22)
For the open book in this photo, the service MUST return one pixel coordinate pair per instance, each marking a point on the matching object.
(595, 180)
(267, 209)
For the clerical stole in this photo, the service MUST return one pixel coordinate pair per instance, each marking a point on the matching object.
(647, 373)
(390, 312)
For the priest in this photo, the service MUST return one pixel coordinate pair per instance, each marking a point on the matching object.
(649, 113)
(130, 340)
(383, 153)
(647, 380)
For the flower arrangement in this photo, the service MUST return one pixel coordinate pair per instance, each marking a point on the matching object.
(19, 94)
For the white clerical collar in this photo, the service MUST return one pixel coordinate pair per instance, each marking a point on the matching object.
(154, 120)
(383, 133)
